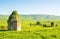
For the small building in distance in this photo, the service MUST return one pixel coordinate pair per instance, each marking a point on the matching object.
(14, 22)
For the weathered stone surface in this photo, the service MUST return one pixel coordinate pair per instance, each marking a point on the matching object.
(14, 22)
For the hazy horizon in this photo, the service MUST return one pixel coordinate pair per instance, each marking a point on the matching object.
(48, 7)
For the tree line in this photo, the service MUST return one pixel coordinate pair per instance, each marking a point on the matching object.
(52, 24)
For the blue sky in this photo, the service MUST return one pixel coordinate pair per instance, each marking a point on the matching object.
(51, 7)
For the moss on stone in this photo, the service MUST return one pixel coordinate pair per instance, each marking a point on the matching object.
(14, 13)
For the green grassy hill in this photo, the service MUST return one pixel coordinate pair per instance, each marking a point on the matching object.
(34, 31)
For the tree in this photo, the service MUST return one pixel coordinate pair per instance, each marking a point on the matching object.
(56, 25)
(52, 23)
(37, 23)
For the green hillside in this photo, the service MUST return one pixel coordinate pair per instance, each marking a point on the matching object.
(26, 18)
(30, 28)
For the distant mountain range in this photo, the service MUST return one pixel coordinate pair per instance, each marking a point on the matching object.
(41, 17)
(33, 17)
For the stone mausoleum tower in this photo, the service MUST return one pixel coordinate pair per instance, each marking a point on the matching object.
(14, 22)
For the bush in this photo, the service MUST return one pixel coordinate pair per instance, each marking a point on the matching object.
(52, 23)
(37, 23)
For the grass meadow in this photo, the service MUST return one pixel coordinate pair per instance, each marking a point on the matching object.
(32, 32)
